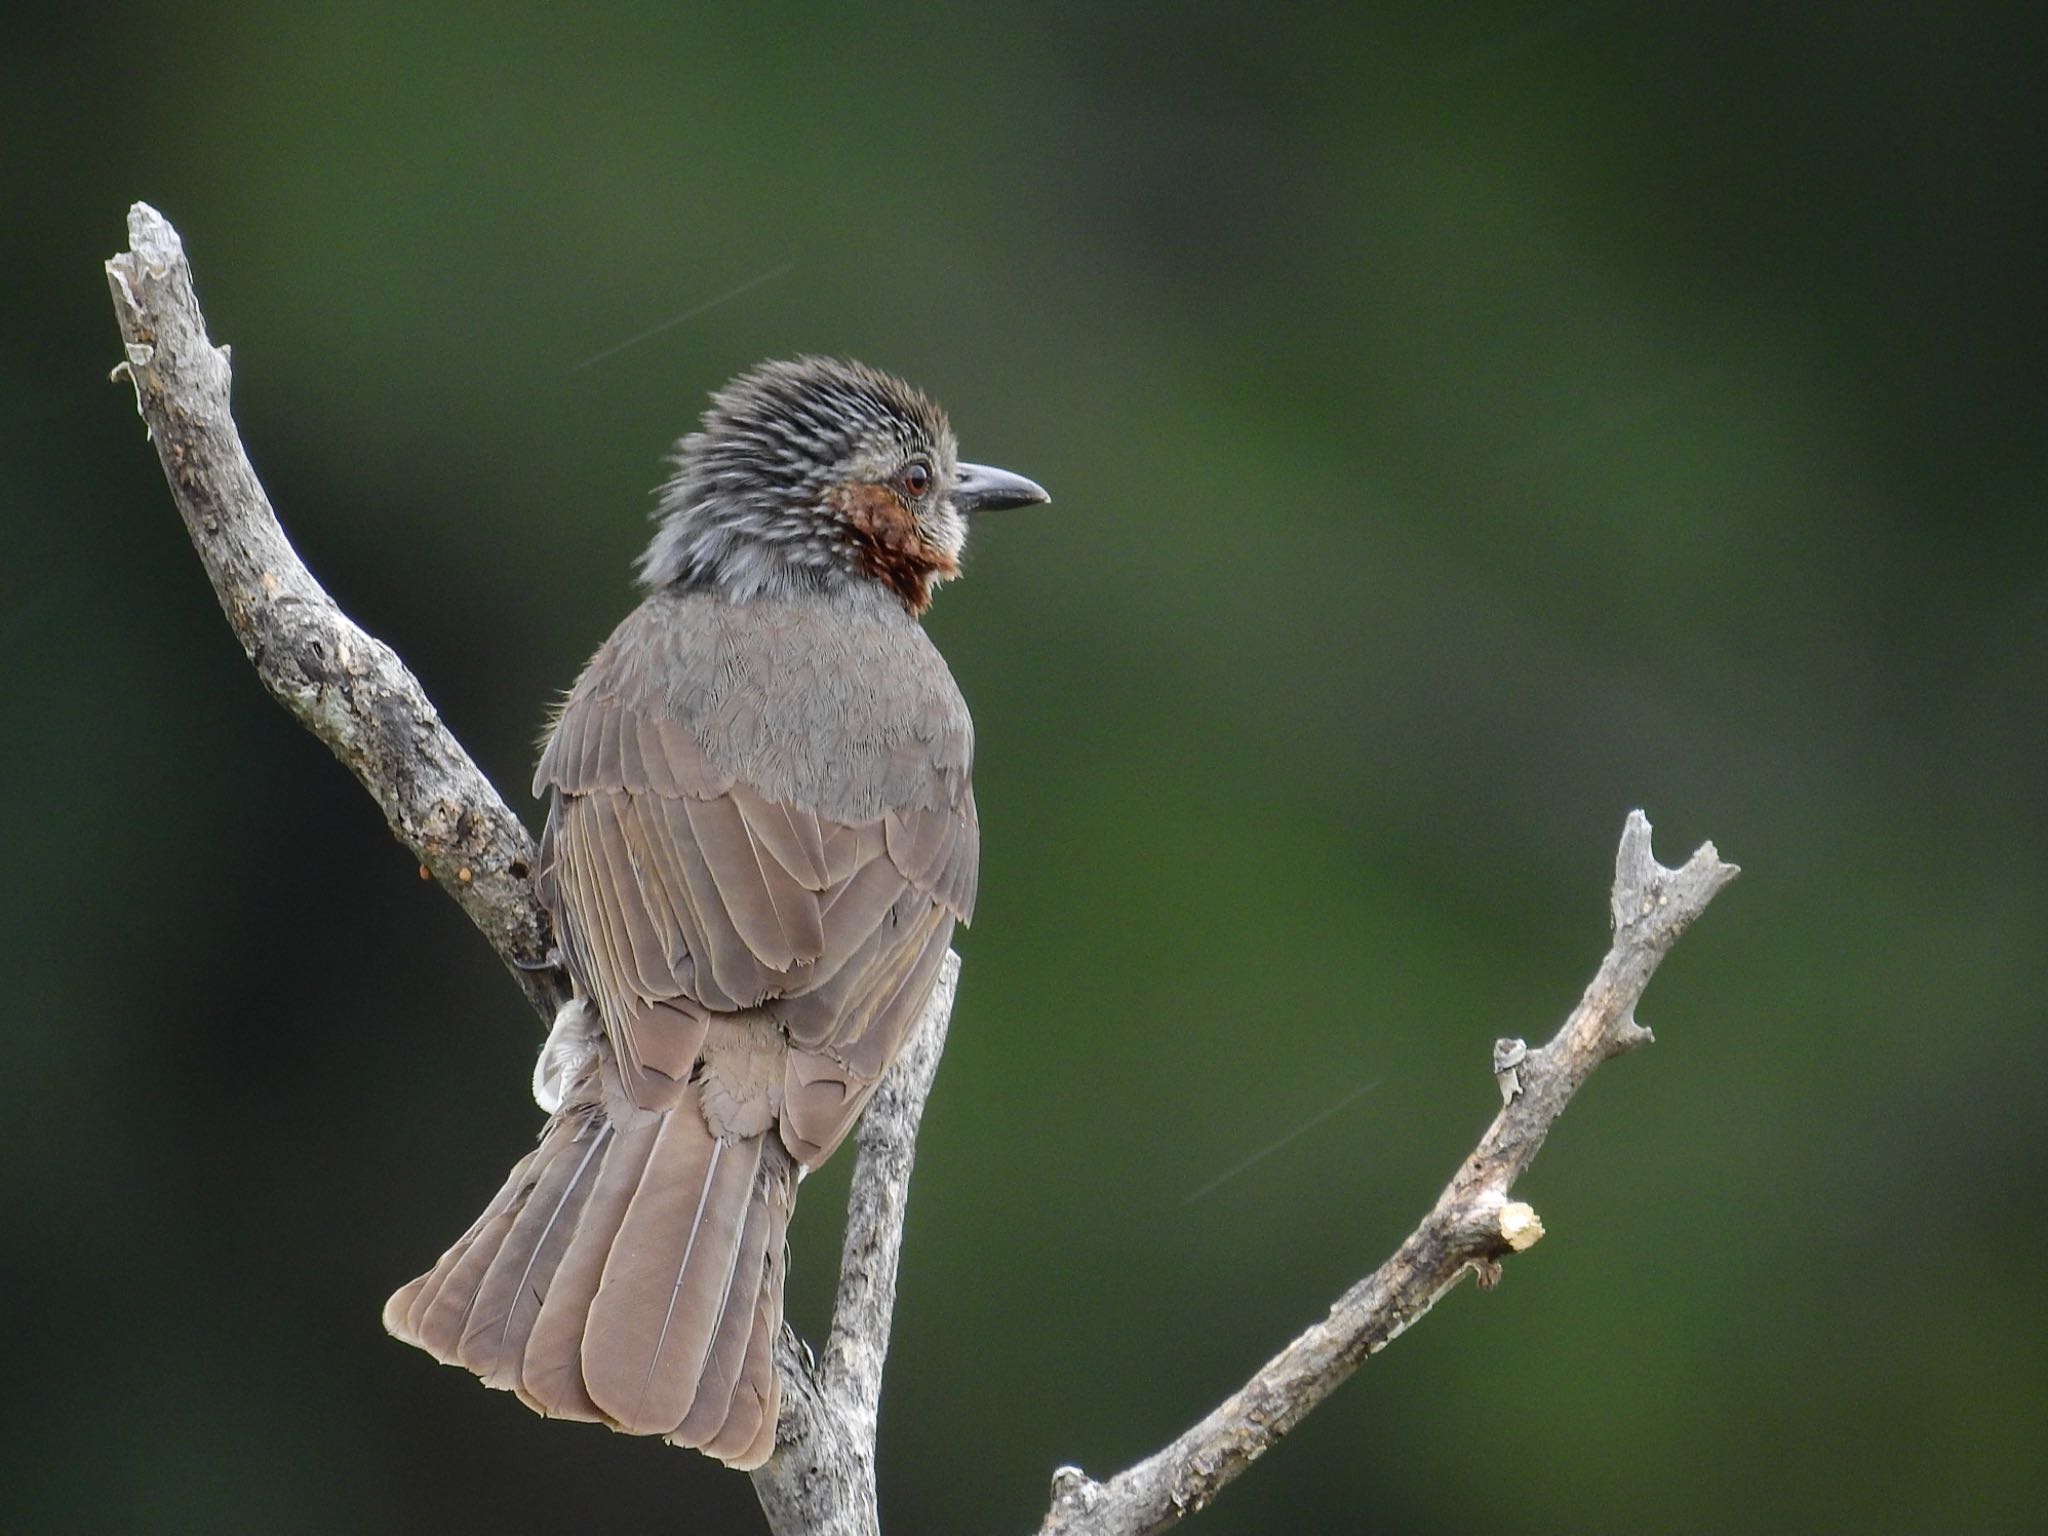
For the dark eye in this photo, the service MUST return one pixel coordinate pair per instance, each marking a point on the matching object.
(916, 477)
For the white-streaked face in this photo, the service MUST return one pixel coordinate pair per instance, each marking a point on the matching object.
(945, 529)
(809, 474)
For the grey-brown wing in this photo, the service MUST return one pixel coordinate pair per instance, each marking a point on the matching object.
(680, 893)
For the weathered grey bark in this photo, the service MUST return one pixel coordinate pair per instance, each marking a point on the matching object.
(353, 692)
(344, 685)
(1471, 1227)
(821, 1481)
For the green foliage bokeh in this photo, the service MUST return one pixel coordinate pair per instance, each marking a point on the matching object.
(1464, 425)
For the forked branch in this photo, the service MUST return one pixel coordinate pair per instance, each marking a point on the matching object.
(352, 691)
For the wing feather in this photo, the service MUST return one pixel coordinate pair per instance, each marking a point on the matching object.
(643, 952)
(790, 835)
(738, 972)
(775, 915)
(681, 893)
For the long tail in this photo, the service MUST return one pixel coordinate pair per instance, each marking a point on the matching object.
(629, 1274)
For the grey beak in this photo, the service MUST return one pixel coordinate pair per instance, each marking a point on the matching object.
(977, 488)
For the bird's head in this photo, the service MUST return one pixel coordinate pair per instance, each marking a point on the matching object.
(814, 474)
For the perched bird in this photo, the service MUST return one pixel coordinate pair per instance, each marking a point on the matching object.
(760, 833)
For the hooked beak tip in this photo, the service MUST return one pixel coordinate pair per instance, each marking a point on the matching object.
(980, 488)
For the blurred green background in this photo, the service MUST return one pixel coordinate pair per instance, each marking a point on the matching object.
(1465, 424)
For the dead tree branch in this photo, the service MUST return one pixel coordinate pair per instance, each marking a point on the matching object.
(1472, 1226)
(352, 692)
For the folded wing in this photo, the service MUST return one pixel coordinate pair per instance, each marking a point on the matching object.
(681, 893)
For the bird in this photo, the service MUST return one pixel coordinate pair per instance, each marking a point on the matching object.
(760, 834)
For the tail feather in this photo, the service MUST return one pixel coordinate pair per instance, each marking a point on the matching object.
(508, 1299)
(439, 1301)
(409, 1302)
(748, 1436)
(656, 1310)
(551, 1381)
(767, 1216)
(628, 1273)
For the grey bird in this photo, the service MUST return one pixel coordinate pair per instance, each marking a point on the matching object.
(761, 831)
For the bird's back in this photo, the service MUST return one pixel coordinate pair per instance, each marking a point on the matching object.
(840, 705)
(760, 805)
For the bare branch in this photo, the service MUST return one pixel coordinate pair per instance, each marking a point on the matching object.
(351, 691)
(344, 685)
(861, 1313)
(816, 1484)
(1472, 1226)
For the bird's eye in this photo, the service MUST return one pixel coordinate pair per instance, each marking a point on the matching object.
(916, 477)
